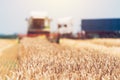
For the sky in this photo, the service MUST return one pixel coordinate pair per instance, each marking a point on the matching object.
(13, 13)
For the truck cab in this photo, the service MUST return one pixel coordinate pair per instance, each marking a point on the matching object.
(64, 27)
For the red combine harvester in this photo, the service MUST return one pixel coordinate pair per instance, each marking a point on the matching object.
(39, 25)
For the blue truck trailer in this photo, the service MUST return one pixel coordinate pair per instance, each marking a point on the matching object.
(103, 28)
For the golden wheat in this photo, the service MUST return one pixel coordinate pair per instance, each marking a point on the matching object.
(41, 60)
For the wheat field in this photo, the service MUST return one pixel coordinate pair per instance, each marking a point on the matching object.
(8, 55)
(38, 59)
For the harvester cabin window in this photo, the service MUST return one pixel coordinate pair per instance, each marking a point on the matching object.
(38, 23)
(65, 25)
(59, 26)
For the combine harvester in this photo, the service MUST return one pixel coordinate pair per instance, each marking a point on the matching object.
(38, 24)
(101, 28)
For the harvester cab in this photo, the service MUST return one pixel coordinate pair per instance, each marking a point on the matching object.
(38, 24)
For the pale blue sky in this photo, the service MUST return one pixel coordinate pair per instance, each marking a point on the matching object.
(14, 12)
